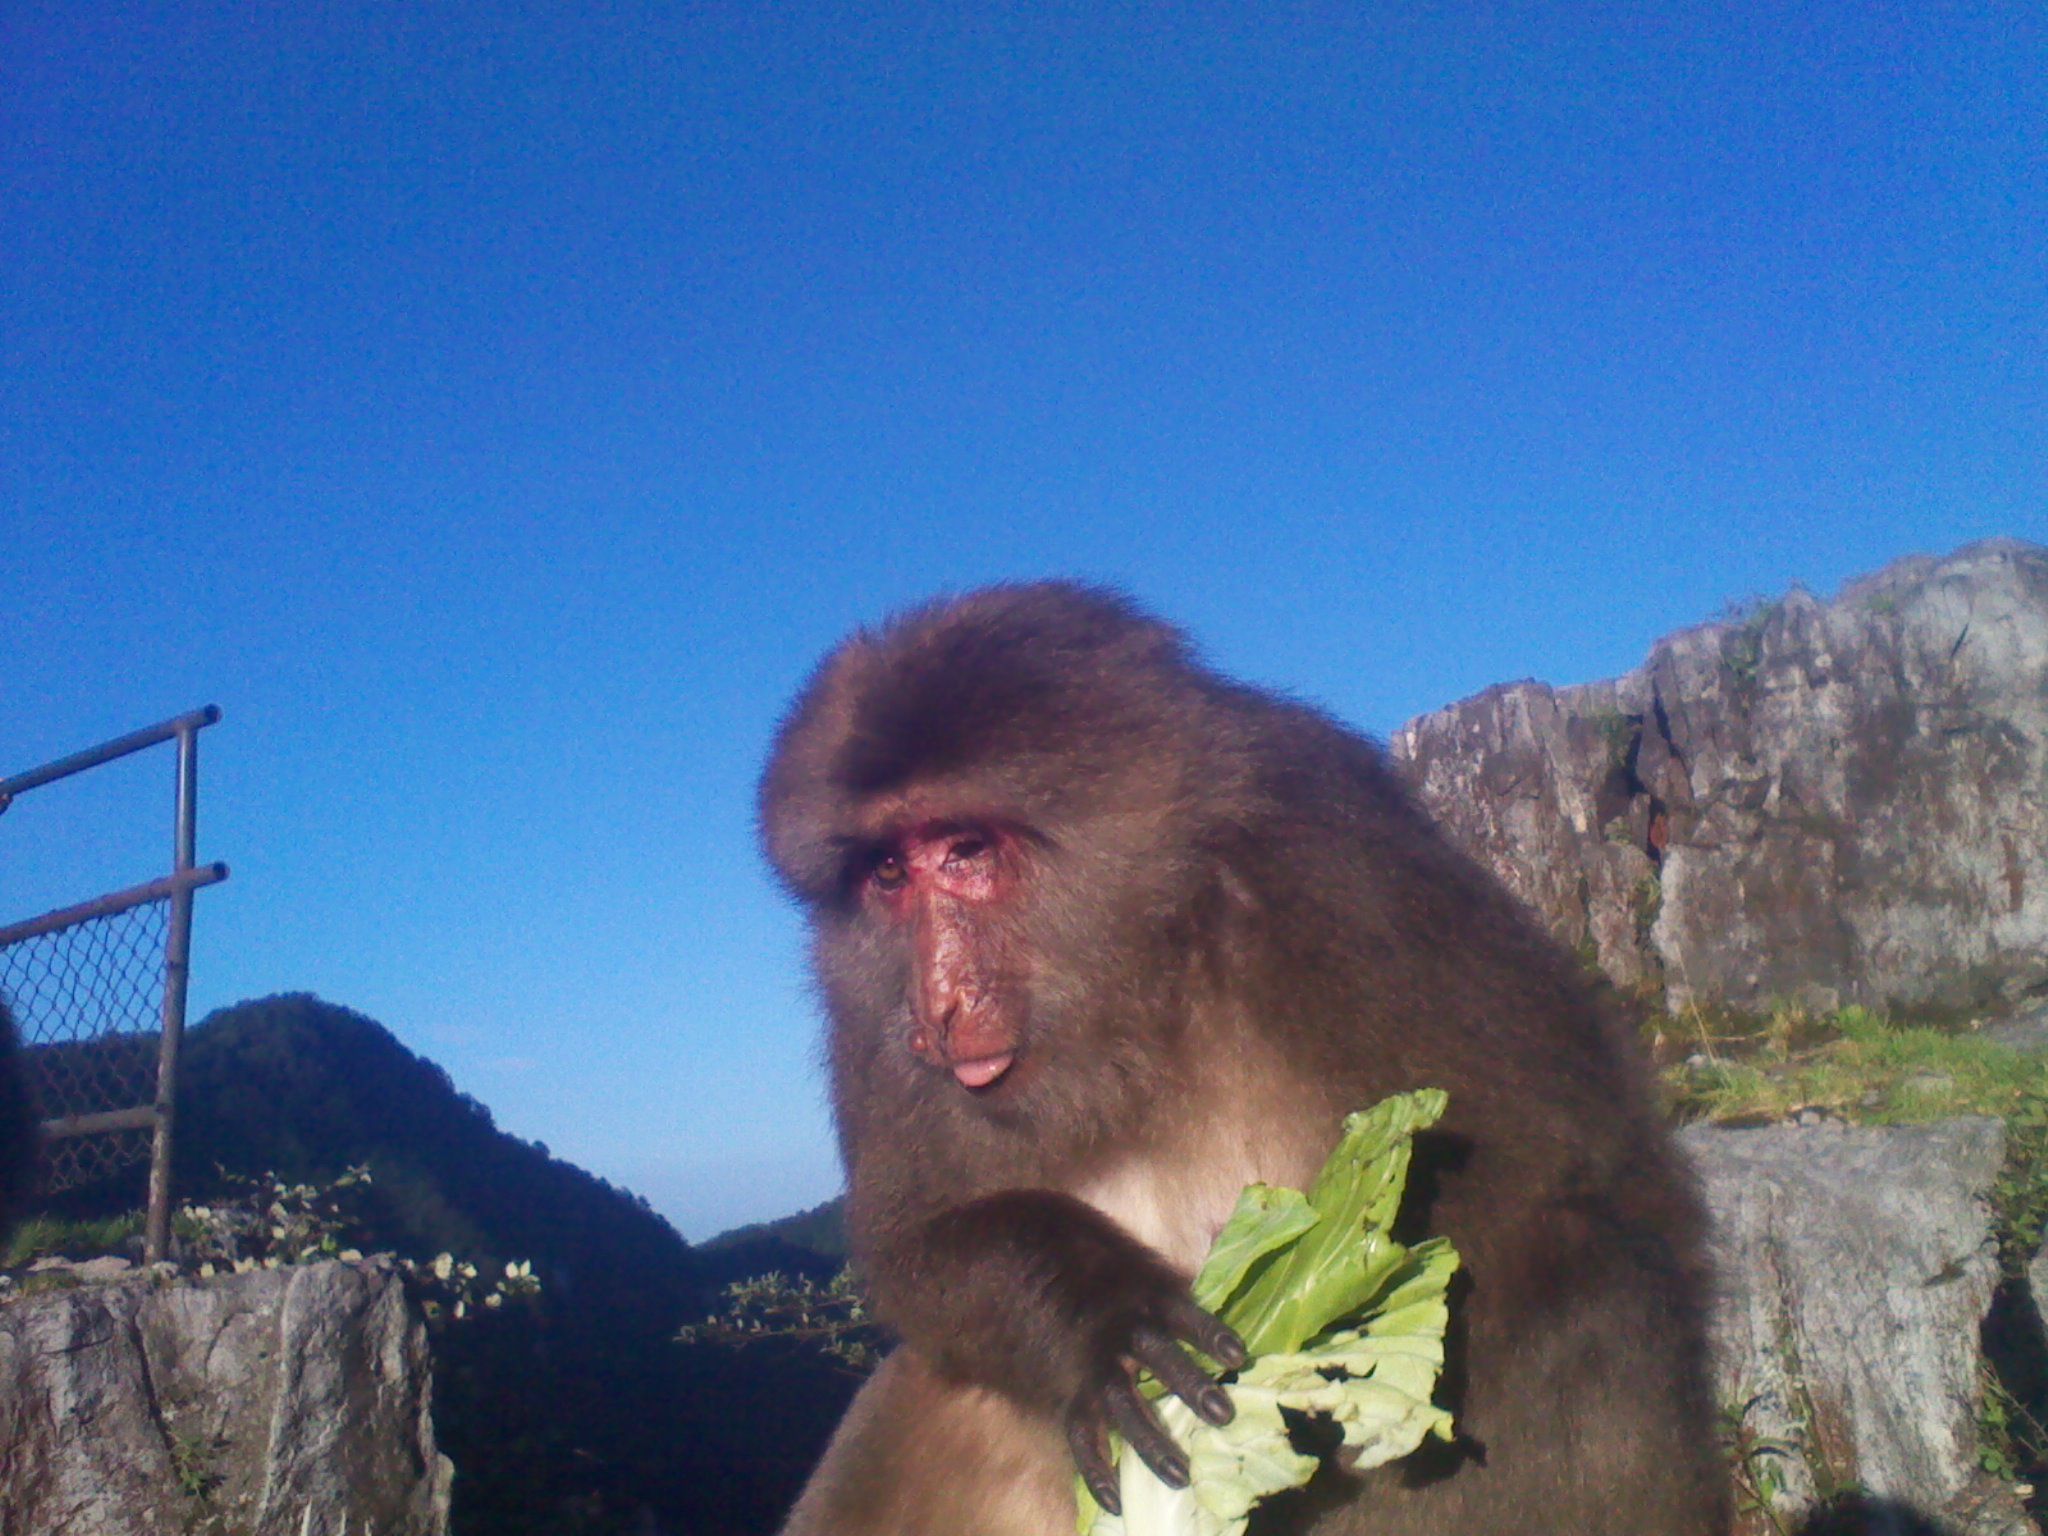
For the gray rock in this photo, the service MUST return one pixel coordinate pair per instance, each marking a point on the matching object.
(1998, 1512)
(2025, 1031)
(1817, 803)
(289, 1402)
(1856, 1268)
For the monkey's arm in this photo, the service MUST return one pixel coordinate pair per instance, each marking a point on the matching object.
(1043, 1298)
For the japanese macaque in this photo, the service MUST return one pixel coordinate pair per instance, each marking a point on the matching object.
(1102, 937)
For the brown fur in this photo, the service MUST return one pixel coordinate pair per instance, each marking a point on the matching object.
(18, 1147)
(1236, 928)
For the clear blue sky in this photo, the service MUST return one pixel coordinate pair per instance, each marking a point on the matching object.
(496, 410)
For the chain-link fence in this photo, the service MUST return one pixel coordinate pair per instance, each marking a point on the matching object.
(98, 997)
(88, 1002)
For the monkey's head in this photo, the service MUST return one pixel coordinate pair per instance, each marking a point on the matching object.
(993, 811)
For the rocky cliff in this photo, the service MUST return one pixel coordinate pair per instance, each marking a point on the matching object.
(1808, 802)
(287, 1402)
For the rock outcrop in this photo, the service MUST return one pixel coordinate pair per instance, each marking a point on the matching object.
(288, 1402)
(1856, 1267)
(1815, 803)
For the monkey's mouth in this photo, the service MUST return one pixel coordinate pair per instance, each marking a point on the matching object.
(983, 1071)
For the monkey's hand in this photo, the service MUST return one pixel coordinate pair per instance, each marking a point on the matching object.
(1043, 1297)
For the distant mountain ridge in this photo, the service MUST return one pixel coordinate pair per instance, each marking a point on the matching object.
(811, 1242)
(821, 1230)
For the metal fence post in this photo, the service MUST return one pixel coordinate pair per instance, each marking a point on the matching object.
(177, 969)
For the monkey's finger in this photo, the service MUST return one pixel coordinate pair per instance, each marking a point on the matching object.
(1135, 1421)
(1179, 1374)
(1088, 1439)
(1208, 1333)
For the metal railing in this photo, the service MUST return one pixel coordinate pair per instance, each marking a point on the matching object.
(91, 984)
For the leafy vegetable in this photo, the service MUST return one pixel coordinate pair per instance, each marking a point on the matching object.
(1341, 1321)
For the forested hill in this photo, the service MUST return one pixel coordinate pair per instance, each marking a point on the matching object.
(305, 1088)
(578, 1411)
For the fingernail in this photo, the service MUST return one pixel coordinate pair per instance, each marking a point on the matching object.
(1175, 1473)
(1107, 1496)
(1216, 1406)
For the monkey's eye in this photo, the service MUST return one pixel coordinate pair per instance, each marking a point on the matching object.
(889, 873)
(966, 850)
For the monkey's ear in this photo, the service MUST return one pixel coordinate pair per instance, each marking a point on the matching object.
(800, 832)
(800, 811)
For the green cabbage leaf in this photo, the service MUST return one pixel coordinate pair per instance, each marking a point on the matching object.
(1342, 1323)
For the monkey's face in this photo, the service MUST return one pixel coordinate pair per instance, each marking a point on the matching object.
(963, 963)
(948, 894)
